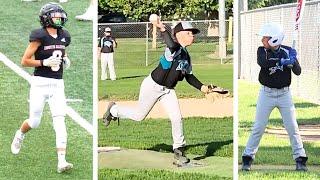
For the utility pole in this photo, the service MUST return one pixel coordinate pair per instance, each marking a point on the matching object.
(222, 30)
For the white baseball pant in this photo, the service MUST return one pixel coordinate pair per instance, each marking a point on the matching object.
(150, 93)
(51, 90)
(269, 98)
(107, 61)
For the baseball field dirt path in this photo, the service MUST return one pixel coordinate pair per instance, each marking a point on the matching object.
(307, 132)
(189, 108)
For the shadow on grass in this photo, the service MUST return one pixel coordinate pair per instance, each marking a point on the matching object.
(212, 147)
(132, 77)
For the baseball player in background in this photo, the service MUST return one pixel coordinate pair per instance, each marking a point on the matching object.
(175, 65)
(48, 46)
(106, 49)
(276, 62)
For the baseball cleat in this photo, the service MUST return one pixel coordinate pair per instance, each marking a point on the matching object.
(246, 163)
(17, 142)
(180, 158)
(64, 167)
(301, 164)
(107, 117)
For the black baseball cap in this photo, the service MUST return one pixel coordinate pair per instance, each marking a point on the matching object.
(185, 26)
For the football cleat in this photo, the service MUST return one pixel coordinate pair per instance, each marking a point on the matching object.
(17, 142)
(64, 167)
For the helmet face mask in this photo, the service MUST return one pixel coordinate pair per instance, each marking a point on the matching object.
(52, 15)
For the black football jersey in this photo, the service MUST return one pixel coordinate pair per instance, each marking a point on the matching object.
(50, 46)
(106, 44)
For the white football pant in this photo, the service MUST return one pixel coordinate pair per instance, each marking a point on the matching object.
(51, 90)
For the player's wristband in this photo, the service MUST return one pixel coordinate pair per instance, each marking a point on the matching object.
(41, 62)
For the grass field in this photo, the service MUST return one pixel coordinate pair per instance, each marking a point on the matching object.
(275, 152)
(131, 70)
(37, 159)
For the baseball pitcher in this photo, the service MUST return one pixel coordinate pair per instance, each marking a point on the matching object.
(175, 65)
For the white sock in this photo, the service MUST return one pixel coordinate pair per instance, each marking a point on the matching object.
(61, 156)
(20, 133)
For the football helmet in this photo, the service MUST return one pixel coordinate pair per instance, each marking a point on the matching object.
(50, 11)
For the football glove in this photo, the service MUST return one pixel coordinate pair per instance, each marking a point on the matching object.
(66, 62)
(52, 61)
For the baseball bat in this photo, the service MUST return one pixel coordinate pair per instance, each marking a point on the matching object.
(298, 17)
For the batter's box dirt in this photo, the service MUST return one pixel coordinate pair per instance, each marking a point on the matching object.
(145, 159)
(307, 132)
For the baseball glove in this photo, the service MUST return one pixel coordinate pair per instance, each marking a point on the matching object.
(216, 92)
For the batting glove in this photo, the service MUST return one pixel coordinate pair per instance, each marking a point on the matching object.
(292, 54)
(51, 61)
(286, 62)
(66, 62)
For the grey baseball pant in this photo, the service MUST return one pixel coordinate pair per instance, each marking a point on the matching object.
(269, 98)
(150, 93)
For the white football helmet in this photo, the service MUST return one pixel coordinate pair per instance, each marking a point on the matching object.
(273, 30)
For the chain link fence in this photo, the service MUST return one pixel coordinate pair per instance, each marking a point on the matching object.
(307, 85)
(137, 47)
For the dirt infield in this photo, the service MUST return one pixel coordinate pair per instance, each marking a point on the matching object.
(189, 108)
(307, 132)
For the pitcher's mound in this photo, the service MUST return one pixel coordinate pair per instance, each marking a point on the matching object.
(144, 159)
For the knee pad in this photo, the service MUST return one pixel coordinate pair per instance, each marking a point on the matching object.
(61, 131)
(33, 122)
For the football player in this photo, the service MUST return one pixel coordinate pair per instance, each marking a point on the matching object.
(46, 52)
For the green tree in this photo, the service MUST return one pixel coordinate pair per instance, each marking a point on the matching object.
(168, 9)
(254, 4)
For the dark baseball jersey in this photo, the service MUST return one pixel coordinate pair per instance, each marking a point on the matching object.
(50, 46)
(271, 73)
(174, 66)
(106, 44)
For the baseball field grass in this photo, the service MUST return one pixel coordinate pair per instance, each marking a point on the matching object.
(274, 159)
(37, 158)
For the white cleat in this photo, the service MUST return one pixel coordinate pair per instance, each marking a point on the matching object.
(64, 167)
(17, 143)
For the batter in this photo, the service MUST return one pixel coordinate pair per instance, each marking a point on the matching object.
(276, 62)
